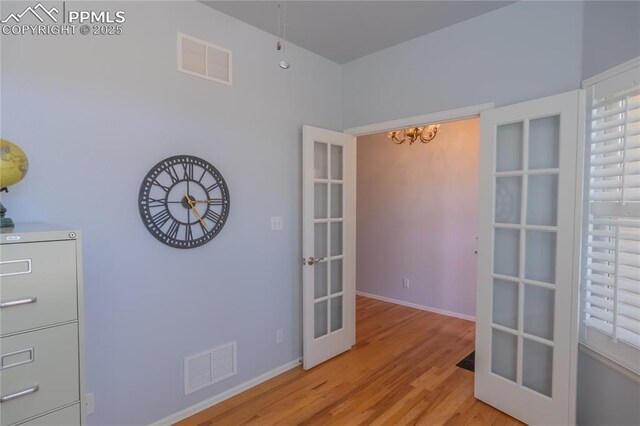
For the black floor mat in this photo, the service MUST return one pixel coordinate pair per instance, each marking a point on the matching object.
(469, 362)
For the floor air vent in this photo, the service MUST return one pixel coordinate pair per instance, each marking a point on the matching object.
(209, 367)
(202, 59)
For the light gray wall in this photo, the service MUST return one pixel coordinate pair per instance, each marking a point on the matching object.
(611, 35)
(417, 213)
(605, 396)
(94, 114)
(519, 52)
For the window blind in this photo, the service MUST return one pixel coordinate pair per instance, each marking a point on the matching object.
(611, 270)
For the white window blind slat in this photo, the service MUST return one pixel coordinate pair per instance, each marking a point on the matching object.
(600, 325)
(600, 289)
(601, 267)
(631, 286)
(630, 337)
(618, 120)
(630, 169)
(602, 280)
(629, 304)
(628, 271)
(630, 181)
(605, 148)
(601, 313)
(628, 324)
(602, 102)
(602, 302)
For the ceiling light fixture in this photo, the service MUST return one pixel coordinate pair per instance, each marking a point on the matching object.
(282, 35)
(425, 134)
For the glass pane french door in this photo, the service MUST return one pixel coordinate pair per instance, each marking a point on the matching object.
(524, 234)
(526, 312)
(328, 244)
(328, 218)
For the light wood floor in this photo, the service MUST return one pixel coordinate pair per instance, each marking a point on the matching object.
(401, 371)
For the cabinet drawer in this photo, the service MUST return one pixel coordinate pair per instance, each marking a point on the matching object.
(69, 416)
(37, 285)
(46, 359)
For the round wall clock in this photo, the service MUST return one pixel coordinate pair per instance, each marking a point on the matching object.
(184, 201)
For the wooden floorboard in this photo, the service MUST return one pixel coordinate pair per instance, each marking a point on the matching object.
(402, 371)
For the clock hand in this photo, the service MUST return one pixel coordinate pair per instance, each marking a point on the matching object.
(192, 204)
(213, 200)
(195, 212)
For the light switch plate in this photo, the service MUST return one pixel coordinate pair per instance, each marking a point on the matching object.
(276, 223)
(90, 403)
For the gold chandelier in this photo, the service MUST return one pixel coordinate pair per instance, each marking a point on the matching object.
(425, 134)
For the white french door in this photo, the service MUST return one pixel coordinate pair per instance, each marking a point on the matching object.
(526, 335)
(328, 244)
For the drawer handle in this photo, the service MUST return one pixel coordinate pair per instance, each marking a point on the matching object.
(13, 262)
(18, 302)
(9, 397)
(27, 357)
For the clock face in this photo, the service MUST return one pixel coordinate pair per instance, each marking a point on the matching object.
(184, 201)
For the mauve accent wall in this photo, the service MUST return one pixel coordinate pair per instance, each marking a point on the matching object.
(417, 214)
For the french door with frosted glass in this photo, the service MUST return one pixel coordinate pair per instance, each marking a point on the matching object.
(526, 309)
(328, 175)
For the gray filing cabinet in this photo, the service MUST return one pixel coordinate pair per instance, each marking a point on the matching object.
(41, 326)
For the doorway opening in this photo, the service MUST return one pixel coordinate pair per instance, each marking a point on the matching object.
(417, 219)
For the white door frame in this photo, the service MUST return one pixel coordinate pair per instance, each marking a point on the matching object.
(420, 120)
(456, 114)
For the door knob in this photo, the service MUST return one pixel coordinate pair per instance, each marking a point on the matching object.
(313, 260)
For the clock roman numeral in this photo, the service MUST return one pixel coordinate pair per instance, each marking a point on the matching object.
(153, 202)
(212, 187)
(212, 216)
(173, 230)
(155, 182)
(187, 168)
(188, 233)
(215, 202)
(161, 218)
(173, 174)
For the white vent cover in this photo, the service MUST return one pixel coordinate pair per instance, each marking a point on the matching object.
(209, 367)
(202, 59)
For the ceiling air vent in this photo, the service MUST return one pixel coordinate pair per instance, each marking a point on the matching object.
(202, 59)
(209, 367)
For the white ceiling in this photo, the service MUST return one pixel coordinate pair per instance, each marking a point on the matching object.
(346, 30)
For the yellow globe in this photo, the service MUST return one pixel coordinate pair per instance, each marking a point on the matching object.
(13, 164)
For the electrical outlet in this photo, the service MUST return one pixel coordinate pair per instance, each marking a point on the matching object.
(405, 282)
(276, 223)
(90, 403)
(280, 336)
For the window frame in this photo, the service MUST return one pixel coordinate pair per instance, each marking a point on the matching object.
(619, 353)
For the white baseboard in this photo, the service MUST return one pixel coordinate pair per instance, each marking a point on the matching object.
(216, 399)
(416, 306)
